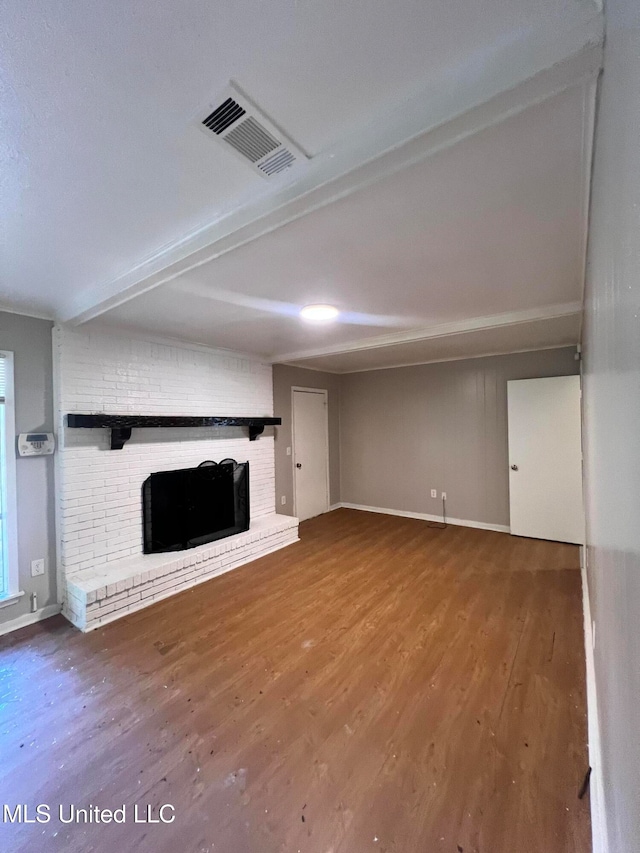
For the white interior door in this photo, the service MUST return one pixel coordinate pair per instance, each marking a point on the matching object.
(545, 458)
(310, 452)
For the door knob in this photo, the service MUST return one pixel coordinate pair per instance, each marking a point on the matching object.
(298, 465)
(514, 467)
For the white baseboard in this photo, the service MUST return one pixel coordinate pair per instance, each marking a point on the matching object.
(30, 618)
(423, 516)
(596, 785)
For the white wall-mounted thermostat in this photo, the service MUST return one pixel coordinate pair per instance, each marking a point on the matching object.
(36, 443)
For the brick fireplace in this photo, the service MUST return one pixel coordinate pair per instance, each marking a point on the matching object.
(102, 571)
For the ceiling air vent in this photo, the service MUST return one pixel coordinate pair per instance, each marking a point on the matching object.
(234, 120)
(251, 140)
(278, 162)
(225, 115)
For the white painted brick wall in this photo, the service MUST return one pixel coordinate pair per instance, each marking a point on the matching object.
(99, 490)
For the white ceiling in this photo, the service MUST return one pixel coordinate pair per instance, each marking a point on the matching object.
(443, 187)
(490, 225)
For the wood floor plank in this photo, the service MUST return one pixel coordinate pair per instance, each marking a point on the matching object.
(381, 685)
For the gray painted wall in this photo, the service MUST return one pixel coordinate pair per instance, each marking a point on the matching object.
(407, 430)
(284, 378)
(30, 341)
(612, 422)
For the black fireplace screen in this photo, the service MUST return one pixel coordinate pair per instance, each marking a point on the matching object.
(192, 506)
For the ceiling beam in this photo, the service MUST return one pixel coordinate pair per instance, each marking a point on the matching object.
(483, 91)
(442, 330)
(488, 353)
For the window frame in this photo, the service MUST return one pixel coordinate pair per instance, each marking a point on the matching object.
(10, 588)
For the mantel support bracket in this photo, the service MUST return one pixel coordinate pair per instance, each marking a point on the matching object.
(255, 431)
(119, 437)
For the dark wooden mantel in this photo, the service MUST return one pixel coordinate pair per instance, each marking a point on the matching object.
(121, 425)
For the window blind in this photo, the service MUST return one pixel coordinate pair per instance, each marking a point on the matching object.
(3, 378)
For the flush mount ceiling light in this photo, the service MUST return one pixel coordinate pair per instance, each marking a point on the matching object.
(319, 313)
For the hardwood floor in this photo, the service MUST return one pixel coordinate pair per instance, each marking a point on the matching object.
(379, 686)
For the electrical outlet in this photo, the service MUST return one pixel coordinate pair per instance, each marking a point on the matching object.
(37, 567)
(288, 451)
(283, 500)
(444, 496)
(434, 493)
